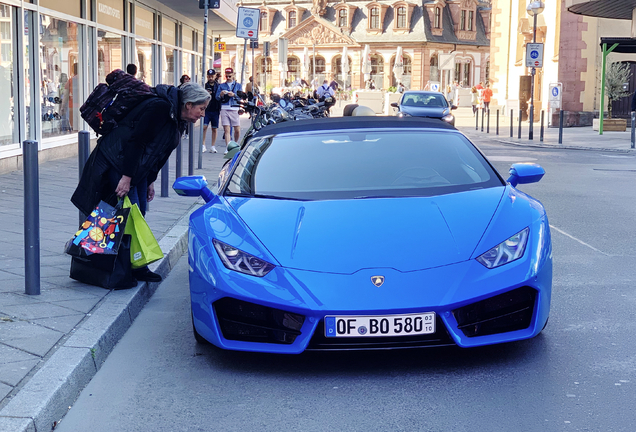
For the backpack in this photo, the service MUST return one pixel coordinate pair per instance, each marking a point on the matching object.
(109, 103)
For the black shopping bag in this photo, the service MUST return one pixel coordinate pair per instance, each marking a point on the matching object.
(101, 232)
(106, 271)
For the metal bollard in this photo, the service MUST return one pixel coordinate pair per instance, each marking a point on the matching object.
(483, 112)
(83, 152)
(191, 150)
(476, 114)
(178, 160)
(633, 129)
(560, 126)
(541, 130)
(512, 121)
(488, 121)
(201, 144)
(165, 180)
(31, 218)
(497, 122)
(520, 114)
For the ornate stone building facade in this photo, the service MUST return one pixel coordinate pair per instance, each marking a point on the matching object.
(320, 34)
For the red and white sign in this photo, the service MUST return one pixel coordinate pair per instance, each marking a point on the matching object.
(250, 33)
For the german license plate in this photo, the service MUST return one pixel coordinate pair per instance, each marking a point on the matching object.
(383, 325)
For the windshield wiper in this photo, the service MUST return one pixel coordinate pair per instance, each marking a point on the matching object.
(276, 197)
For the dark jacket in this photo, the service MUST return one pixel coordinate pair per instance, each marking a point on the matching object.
(150, 157)
(214, 105)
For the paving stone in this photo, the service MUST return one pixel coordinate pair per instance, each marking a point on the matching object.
(4, 390)
(12, 373)
(81, 305)
(11, 355)
(36, 310)
(7, 276)
(59, 294)
(63, 324)
(17, 298)
(29, 337)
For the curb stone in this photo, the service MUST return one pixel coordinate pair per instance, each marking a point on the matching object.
(47, 396)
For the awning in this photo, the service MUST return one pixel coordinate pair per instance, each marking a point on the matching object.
(625, 45)
(615, 9)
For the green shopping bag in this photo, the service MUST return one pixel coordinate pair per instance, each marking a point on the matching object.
(144, 248)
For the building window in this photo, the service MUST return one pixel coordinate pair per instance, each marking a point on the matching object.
(434, 74)
(401, 17)
(263, 24)
(293, 69)
(342, 18)
(406, 78)
(462, 21)
(375, 18)
(438, 17)
(321, 66)
(291, 21)
(471, 16)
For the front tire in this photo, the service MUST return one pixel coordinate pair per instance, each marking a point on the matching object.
(200, 339)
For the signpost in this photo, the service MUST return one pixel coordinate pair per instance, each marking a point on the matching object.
(534, 60)
(220, 47)
(247, 28)
(554, 100)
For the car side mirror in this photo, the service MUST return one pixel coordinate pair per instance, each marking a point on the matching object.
(523, 173)
(394, 104)
(193, 186)
(453, 107)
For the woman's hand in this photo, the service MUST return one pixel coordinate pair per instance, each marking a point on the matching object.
(123, 187)
(151, 192)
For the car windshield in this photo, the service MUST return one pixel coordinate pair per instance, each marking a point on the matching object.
(424, 100)
(360, 164)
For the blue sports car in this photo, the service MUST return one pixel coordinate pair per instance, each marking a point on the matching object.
(366, 233)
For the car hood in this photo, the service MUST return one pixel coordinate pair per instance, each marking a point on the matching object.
(425, 112)
(344, 236)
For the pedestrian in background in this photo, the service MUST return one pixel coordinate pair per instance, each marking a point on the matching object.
(213, 110)
(131, 69)
(127, 160)
(226, 94)
(184, 79)
(486, 96)
(474, 99)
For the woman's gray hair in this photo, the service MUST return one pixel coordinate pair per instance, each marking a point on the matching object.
(194, 94)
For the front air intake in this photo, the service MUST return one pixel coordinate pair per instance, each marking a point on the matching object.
(249, 322)
(503, 313)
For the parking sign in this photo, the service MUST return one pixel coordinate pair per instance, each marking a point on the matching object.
(247, 23)
(534, 55)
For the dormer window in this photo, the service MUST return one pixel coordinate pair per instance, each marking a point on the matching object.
(342, 18)
(374, 23)
(263, 24)
(438, 18)
(462, 20)
(401, 18)
(291, 19)
(471, 20)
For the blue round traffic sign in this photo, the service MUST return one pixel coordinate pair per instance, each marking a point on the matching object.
(555, 91)
(247, 22)
(534, 54)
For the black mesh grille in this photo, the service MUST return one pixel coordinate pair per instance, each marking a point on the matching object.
(505, 312)
(320, 342)
(249, 322)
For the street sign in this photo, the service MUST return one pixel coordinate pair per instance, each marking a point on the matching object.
(212, 4)
(219, 46)
(447, 61)
(266, 49)
(247, 23)
(534, 55)
(555, 95)
(434, 86)
(254, 44)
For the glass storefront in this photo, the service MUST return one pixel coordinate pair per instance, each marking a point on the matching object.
(144, 61)
(8, 128)
(167, 76)
(59, 58)
(109, 54)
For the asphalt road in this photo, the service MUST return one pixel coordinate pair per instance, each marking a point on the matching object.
(579, 375)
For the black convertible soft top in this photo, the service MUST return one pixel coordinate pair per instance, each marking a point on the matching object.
(335, 123)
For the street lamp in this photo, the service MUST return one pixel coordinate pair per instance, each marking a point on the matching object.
(533, 9)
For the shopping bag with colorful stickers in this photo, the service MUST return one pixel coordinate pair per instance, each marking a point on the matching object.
(101, 232)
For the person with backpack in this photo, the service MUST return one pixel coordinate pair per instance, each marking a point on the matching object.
(127, 160)
(213, 111)
(226, 93)
(325, 90)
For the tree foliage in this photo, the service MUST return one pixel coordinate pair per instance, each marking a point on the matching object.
(616, 75)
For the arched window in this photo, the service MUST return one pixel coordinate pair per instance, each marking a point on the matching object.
(321, 66)
(342, 18)
(377, 70)
(291, 19)
(263, 24)
(438, 17)
(434, 74)
(374, 23)
(293, 68)
(336, 67)
(406, 77)
(401, 17)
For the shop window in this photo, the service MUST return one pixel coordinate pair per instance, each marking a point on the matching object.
(377, 70)
(109, 47)
(401, 17)
(168, 66)
(60, 80)
(8, 125)
(374, 23)
(406, 77)
(293, 69)
(434, 74)
(318, 76)
(145, 60)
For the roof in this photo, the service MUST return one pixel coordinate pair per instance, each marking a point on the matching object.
(342, 123)
(615, 9)
(625, 44)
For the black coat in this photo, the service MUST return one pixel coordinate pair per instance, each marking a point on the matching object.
(108, 155)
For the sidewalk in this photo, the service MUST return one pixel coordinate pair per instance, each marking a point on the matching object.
(52, 344)
(577, 138)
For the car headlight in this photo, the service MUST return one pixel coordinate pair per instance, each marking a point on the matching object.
(237, 260)
(448, 118)
(507, 251)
